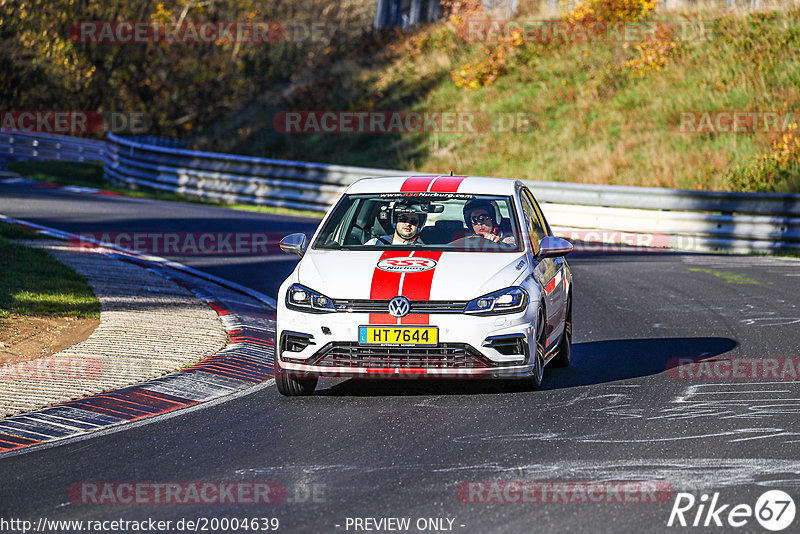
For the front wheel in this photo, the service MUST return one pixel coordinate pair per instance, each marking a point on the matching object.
(565, 345)
(293, 387)
(534, 381)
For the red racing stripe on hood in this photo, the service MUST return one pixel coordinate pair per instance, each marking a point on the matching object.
(417, 183)
(385, 286)
(417, 286)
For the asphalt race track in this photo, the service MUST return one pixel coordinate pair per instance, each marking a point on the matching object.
(623, 411)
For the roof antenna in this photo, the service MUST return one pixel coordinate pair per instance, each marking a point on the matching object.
(451, 173)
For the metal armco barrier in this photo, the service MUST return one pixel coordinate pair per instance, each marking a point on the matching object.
(17, 145)
(689, 220)
(230, 178)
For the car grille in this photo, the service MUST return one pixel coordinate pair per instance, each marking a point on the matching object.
(382, 306)
(443, 356)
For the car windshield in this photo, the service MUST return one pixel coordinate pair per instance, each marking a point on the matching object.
(426, 221)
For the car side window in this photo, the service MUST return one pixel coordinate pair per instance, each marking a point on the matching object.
(542, 221)
(532, 225)
(541, 227)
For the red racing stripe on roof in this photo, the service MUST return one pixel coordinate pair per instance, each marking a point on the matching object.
(447, 184)
(417, 183)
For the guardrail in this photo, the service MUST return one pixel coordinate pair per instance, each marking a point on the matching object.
(230, 178)
(691, 220)
(17, 145)
(696, 231)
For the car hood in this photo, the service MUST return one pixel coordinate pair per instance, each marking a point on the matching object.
(419, 275)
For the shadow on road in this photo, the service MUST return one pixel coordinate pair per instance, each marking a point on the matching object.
(594, 362)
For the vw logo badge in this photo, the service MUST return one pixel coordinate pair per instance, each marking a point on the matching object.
(399, 307)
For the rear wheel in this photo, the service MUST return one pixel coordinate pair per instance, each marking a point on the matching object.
(565, 345)
(293, 387)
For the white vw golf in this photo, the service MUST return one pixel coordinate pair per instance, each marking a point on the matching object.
(425, 276)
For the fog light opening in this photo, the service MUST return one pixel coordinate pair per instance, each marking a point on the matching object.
(295, 341)
(510, 345)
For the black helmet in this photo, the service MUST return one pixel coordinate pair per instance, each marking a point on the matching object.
(478, 203)
(410, 206)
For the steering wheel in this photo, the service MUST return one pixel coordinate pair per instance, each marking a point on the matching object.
(498, 243)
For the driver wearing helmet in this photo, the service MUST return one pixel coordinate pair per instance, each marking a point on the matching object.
(408, 218)
(483, 218)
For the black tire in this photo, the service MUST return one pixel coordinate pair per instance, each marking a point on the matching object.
(535, 380)
(294, 387)
(565, 345)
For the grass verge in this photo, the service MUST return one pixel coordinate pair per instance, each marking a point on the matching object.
(606, 112)
(13, 231)
(36, 284)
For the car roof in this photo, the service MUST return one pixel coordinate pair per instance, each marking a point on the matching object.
(434, 182)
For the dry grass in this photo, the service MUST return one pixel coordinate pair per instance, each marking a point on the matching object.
(593, 121)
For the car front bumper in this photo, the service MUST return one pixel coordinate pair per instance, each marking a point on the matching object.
(467, 348)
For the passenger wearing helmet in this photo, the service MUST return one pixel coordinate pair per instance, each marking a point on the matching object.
(483, 218)
(408, 218)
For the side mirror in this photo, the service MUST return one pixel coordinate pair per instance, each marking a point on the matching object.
(294, 244)
(553, 247)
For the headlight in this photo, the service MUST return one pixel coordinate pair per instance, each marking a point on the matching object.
(301, 298)
(505, 301)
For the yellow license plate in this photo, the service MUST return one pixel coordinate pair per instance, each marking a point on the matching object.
(398, 335)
